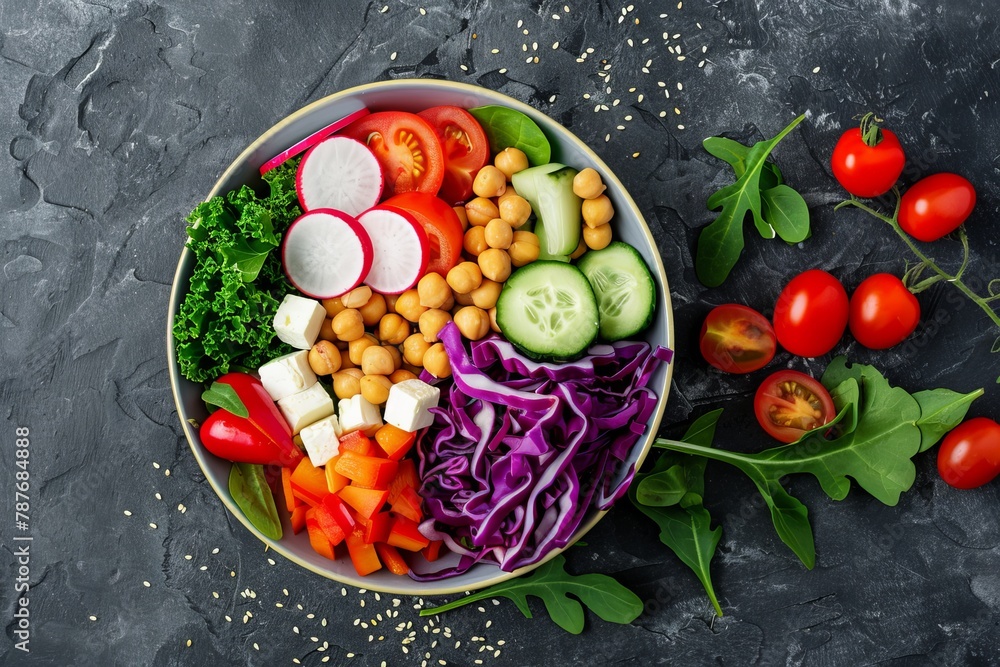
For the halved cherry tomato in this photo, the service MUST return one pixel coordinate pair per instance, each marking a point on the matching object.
(407, 148)
(883, 312)
(811, 314)
(936, 205)
(867, 160)
(466, 150)
(440, 223)
(737, 339)
(970, 454)
(789, 403)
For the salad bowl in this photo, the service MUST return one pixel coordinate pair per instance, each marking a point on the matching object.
(414, 95)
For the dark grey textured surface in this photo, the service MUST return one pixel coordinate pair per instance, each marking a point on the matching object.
(117, 118)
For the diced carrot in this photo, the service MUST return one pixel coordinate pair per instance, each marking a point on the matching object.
(433, 550)
(328, 524)
(366, 471)
(366, 501)
(406, 475)
(408, 504)
(334, 480)
(392, 558)
(299, 518)
(394, 441)
(363, 555)
(291, 502)
(358, 442)
(405, 535)
(317, 538)
(377, 527)
(308, 483)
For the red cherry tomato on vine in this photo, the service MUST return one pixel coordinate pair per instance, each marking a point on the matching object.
(789, 403)
(867, 161)
(737, 339)
(811, 314)
(970, 454)
(936, 205)
(883, 312)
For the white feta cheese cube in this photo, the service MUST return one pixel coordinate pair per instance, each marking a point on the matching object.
(288, 374)
(298, 320)
(409, 405)
(322, 440)
(357, 414)
(306, 407)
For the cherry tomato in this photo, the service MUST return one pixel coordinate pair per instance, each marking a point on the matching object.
(737, 339)
(789, 403)
(970, 454)
(936, 205)
(811, 314)
(440, 223)
(867, 168)
(466, 150)
(407, 148)
(883, 312)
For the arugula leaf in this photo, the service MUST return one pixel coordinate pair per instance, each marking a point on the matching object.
(686, 529)
(505, 127)
(735, 155)
(940, 411)
(786, 212)
(550, 582)
(224, 396)
(249, 489)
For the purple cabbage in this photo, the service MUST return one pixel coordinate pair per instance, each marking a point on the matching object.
(521, 450)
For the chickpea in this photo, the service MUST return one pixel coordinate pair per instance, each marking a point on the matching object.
(510, 161)
(416, 370)
(449, 303)
(598, 211)
(464, 299)
(473, 322)
(358, 346)
(499, 234)
(598, 237)
(486, 296)
(480, 211)
(357, 297)
(348, 325)
(489, 182)
(587, 184)
(462, 216)
(333, 306)
(414, 348)
(390, 302)
(436, 361)
(495, 264)
(432, 322)
(402, 375)
(408, 305)
(397, 357)
(375, 388)
(324, 358)
(492, 312)
(373, 310)
(581, 247)
(346, 383)
(515, 210)
(326, 330)
(375, 360)
(524, 248)
(507, 194)
(393, 329)
(464, 277)
(433, 290)
(345, 360)
(475, 241)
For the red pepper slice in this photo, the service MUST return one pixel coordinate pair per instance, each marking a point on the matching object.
(362, 554)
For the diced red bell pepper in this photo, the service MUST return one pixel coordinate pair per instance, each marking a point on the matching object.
(366, 471)
(317, 538)
(332, 528)
(340, 512)
(406, 475)
(334, 480)
(299, 518)
(433, 550)
(363, 555)
(405, 535)
(357, 442)
(308, 483)
(365, 501)
(394, 441)
(408, 504)
(377, 527)
(392, 559)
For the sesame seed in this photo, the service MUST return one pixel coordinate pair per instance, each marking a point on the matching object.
(270, 561)
(93, 618)
(423, 12)
(494, 50)
(555, 45)
(815, 70)
(278, 605)
(215, 594)
(463, 68)
(680, 127)
(158, 496)
(256, 647)
(203, 568)
(128, 513)
(229, 619)
(146, 584)
(166, 472)
(156, 465)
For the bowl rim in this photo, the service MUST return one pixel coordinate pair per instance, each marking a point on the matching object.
(434, 588)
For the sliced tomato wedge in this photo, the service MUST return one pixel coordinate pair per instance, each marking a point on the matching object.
(407, 148)
(440, 223)
(790, 403)
(466, 150)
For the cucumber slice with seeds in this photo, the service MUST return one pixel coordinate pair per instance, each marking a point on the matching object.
(625, 290)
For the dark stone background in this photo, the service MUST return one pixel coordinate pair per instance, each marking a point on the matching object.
(117, 118)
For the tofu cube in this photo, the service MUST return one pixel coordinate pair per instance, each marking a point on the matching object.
(306, 407)
(409, 405)
(322, 440)
(288, 374)
(357, 414)
(298, 321)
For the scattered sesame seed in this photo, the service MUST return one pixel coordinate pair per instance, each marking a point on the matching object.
(128, 513)
(295, 629)
(256, 647)
(93, 618)
(270, 561)
(203, 568)
(215, 594)
(278, 605)
(166, 472)
(229, 619)
(158, 496)
(152, 525)
(815, 70)
(156, 465)
(555, 45)
(146, 584)
(392, 56)
(502, 70)
(350, 655)
(640, 98)
(463, 68)
(680, 127)
(494, 50)
(343, 592)
(423, 12)
(323, 622)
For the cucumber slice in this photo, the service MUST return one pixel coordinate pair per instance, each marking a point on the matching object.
(549, 190)
(548, 311)
(625, 290)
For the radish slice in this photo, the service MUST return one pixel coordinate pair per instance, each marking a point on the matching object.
(326, 253)
(312, 140)
(400, 247)
(339, 173)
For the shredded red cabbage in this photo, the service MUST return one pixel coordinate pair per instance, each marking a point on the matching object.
(521, 450)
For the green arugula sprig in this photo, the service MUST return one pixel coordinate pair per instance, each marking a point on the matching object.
(602, 594)
(777, 209)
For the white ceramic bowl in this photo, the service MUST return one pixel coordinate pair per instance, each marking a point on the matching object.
(410, 95)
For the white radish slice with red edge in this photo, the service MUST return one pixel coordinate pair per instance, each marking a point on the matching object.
(312, 140)
(339, 173)
(401, 249)
(326, 253)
